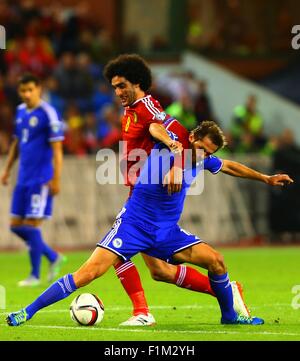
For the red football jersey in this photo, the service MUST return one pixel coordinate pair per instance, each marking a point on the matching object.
(138, 140)
(135, 132)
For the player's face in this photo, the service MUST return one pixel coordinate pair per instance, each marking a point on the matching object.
(126, 91)
(205, 144)
(30, 93)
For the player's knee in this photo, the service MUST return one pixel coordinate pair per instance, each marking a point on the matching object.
(217, 265)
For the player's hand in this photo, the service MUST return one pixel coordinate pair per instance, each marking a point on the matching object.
(4, 178)
(173, 180)
(54, 187)
(279, 180)
(176, 147)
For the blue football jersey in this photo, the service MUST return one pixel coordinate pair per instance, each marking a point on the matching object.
(150, 201)
(35, 130)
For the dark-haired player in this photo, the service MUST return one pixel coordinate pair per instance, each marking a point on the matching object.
(37, 141)
(143, 122)
(148, 223)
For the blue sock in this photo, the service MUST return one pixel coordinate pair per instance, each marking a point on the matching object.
(59, 290)
(49, 253)
(220, 284)
(37, 247)
(32, 236)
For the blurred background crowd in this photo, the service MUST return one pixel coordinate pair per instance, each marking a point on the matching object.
(67, 47)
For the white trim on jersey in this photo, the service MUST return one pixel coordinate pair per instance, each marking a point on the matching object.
(44, 196)
(53, 118)
(112, 250)
(188, 245)
(21, 106)
(167, 127)
(138, 100)
(151, 107)
(217, 171)
(112, 233)
(56, 139)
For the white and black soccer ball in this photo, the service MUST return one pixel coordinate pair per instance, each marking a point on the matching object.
(87, 309)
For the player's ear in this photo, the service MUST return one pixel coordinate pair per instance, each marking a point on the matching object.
(191, 137)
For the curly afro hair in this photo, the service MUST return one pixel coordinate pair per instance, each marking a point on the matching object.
(132, 67)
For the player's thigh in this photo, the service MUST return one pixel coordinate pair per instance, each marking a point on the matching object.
(96, 265)
(160, 270)
(200, 254)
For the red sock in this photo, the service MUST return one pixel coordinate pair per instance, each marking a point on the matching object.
(187, 277)
(130, 279)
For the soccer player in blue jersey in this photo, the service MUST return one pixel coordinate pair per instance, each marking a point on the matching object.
(148, 223)
(37, 141)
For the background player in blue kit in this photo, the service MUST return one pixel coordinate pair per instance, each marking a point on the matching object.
(149, 223)
(38, 143)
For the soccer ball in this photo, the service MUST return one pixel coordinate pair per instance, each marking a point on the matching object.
(87, 309)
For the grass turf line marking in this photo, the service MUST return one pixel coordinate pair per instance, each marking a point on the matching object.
(126, 329)
(159, 307)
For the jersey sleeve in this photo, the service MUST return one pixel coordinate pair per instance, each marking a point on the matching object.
(56, 126)
(213, 164)
(152, 112)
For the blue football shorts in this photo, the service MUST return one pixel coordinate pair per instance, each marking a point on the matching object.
(127, 238)
(33, 201)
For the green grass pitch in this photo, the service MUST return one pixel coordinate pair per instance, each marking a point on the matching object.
(267, 274)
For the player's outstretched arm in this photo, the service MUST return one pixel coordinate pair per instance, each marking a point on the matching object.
(240, 170)
(12, 156)
(159, 132)
(54, 184)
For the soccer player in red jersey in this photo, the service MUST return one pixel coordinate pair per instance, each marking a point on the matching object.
(143, 122)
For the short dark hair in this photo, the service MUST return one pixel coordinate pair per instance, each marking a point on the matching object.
(212, 130)
(28, 78)
(132, 67)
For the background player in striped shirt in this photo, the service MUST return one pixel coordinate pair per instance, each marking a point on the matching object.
(37, 141)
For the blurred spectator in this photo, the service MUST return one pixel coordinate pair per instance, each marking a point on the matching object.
(285, 202)
(109, 130)
(183, 110)
(6, 127)
(203, 107)
(102, 96)
(74, 139)
(50, 94)
(247, 128)
(74, 80)
(90, 133)
(160, 94)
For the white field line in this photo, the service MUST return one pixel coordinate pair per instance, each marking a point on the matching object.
(154, 331)
(159, 307)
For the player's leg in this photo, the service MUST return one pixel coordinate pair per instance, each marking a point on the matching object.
(203, 255)
(98, 263)
(181, 275)
(39, 207)
(131, 282)
(27, 233)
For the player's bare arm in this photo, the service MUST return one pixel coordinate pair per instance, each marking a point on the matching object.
(158, 131)
(54, 184)
(173, 179)
(240, 170)
(11, 158)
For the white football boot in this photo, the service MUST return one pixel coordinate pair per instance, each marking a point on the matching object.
(31, 281)
(238, 300)
(139, 320)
